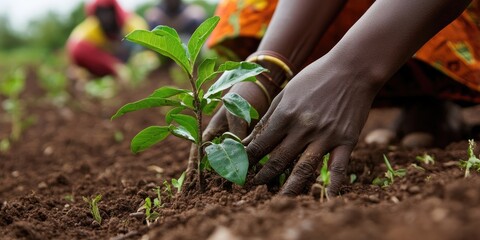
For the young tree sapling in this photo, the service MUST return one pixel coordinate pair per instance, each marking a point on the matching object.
(226, 155)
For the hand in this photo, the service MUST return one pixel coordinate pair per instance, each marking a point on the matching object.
(224, 121)
(322, 110)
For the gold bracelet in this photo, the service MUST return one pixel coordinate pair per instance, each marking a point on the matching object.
(261, 86)
(273, 60)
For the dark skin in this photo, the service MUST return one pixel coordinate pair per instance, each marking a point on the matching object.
(107, 18)
(324, 107)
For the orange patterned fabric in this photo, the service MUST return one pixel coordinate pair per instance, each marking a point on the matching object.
(455, 51)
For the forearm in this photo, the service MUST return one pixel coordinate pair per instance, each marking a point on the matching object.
(390, 32)
(296, 29)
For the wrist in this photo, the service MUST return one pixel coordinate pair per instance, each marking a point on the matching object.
(366, 71)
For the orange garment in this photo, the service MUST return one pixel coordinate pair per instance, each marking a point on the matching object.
(455, 51)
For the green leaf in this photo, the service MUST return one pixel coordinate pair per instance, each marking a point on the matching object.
(177, 110)
(163, 30)
(166, 92)
(228, 65)
(206, 72)
(200, 36)
(179, 183)
(164, 44)
(239, 107)
(148, 102)
(245, 71)
(148, 137)
(188, 123)
(324, 173)
(187, 100)
(13, 83)
(209, 105)
(181, 132)
(229, 159)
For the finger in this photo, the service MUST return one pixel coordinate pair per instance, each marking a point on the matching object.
(339, 158)
(272, 133)
(304, 170)
(237, 126)
(264, 119)
(216, 126)
(284, 154)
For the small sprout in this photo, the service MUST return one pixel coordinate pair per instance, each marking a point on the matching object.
(353, 178)
(93, 203)
(425, 159)
(11, 86)
(178, 183)
(69, 198)
(472, 162)
(428, 178)
(118, 136)
(168, 188)
(150, 214)
(415, 166)
(4, 145)
(323, 180)
(390, 175)
(101, 88)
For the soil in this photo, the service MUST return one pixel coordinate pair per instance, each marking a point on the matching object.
(72, 152)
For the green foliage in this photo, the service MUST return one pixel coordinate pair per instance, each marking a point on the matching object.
(472, 162)
(390, 175)
(168, 188)
(178, 183)
(55, 84)
(425, 159)
(101, 88)
(11, 86)
(323, 180)
(227, 158)
(239, 107)
(150, 214)
(93, 204)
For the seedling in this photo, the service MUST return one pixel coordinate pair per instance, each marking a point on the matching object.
(101, 88)
(55, 84)
(69, 198)
(168, 189)
(353, 178)
(93, 203)
(150, 214)
(227, 156)
(426, 159)
(390, 175)
(323, 180)
(11, 86)
(178, 183)
(472, 162)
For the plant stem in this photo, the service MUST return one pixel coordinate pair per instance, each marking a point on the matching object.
(198, 113)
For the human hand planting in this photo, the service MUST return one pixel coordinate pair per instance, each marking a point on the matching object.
(223, 121)
(322, 110)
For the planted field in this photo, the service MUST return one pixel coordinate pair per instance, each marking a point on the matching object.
(75, 151)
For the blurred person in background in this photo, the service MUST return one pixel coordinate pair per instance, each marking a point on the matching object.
(96, 44)
(185, 18)
(339, 59)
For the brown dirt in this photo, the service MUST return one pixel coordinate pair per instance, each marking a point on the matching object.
(71, 152)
